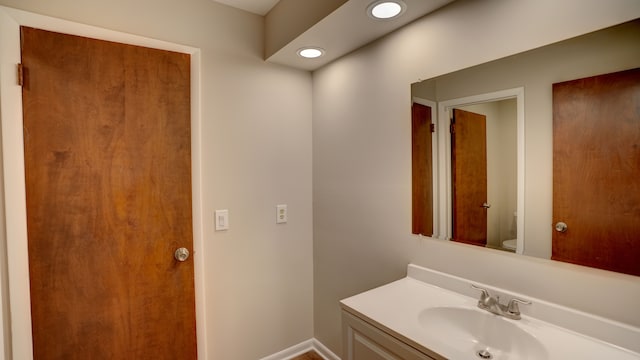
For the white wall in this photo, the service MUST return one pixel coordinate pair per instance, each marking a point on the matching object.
(362, 160)
(508, 139)
(256, 153)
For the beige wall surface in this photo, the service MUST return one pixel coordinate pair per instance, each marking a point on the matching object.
(256, 153)
(362, 160)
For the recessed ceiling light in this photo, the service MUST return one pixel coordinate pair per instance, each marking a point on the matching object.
(311, 52)
(384, 9)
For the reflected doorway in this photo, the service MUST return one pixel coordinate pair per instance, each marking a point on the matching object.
(504, 204)
(484, 173)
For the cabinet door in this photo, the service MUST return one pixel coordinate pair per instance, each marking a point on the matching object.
(363, 341)
(361, 347)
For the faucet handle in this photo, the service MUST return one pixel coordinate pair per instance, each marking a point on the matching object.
(513, 309)
(484, 295)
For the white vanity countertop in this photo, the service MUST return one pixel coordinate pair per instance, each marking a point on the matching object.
(397, 307)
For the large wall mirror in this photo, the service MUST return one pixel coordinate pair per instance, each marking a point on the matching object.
(489, 144)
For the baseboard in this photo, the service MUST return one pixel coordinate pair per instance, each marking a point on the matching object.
(301, 348)
(324, 351)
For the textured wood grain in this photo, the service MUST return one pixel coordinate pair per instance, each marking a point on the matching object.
(469, 177)
(596, 171)
(108, 178)
(422, 170)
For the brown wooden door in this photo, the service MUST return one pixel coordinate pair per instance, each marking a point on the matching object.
(422, 169)
(596, 171)
(469, 177)
(108, 182)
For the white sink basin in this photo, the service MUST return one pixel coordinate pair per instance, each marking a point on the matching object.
(436, 313)
(474, 333)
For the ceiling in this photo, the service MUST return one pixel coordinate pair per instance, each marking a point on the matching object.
(260, 7)
(338, 32)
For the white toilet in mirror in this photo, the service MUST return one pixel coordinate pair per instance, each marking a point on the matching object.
(510, 244)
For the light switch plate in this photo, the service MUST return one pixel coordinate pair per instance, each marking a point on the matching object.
(222, 220)
(281, 214)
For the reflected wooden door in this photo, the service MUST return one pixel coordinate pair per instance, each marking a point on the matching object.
(108, 181)
(422, 169)
(596, 171)
(469, 177)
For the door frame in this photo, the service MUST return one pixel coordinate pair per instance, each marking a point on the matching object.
(15, 297)
(444, 158)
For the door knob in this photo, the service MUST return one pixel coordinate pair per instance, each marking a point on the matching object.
(561, 227)
(486, 205)
(182, 254)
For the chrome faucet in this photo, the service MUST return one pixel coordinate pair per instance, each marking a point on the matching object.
(493, 305)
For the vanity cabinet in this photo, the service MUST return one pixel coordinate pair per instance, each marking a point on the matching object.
(364, 341)
(424, 316)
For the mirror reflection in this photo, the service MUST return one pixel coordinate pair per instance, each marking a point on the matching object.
(483, 174)
(522, 151)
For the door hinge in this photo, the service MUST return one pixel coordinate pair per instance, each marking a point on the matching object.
(432, 127)
(452, 128)
(20, 75)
